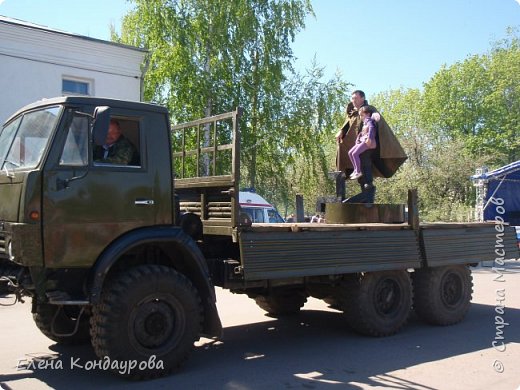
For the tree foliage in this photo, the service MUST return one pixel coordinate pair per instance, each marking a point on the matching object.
(477, 101)
(210, 56)
(313, 114)
(467, 116)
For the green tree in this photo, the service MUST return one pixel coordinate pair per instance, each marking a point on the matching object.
(503, 101)
(466, 116)
(438, 167)
(314, 111)
(207, 57)
(477, 101)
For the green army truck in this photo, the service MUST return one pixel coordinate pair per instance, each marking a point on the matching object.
(127, 257)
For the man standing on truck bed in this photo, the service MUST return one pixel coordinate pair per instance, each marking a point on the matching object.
(383, 161)
(117, 149)
(354, 122)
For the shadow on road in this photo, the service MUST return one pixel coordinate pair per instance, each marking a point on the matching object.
(312, 350)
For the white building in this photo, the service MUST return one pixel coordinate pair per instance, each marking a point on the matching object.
(38, 62)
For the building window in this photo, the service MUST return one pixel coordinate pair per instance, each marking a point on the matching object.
(75, 87)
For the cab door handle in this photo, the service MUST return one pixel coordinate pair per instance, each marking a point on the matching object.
(144, 202)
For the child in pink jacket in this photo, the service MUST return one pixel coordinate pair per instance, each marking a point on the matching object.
(366, 139)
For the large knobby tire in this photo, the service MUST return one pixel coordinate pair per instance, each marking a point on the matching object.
(442, 294)
(59, 323)
(281, 304)
(378, 303)
(148, 313)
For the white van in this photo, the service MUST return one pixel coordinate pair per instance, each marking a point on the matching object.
(258, 209)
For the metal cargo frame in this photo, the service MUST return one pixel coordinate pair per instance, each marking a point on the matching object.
(213, 197)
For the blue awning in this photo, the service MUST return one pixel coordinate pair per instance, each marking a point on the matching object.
(512, 171)
(503, 184)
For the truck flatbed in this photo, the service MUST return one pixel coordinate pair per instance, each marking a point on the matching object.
(302, 226)
(273, 251)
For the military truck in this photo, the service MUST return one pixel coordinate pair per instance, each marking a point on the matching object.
(128, 256)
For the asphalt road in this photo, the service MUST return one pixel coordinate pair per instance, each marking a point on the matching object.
(314, 350)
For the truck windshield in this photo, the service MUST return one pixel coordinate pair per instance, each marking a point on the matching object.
(23, 140)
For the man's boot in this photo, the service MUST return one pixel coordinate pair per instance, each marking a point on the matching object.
(339, 178)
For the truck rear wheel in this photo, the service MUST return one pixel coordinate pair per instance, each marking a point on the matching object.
(442, 294)
(147, 314)
(281, 304)
(378, 303)
(59, 323)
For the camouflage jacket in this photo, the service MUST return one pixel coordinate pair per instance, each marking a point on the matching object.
(121, 152)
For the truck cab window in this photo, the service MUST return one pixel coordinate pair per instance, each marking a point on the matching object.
(75, 151)
(23, 141)
(122, 144)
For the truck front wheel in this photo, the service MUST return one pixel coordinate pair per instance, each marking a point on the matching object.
(442, 294)
(378, 303)
(149, 317)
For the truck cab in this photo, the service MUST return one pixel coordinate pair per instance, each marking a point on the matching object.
(53, 191)
(71, 223)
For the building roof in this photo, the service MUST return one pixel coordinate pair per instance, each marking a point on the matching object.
(81, 100)
(512, 171)
(29, 25)
(252, 199)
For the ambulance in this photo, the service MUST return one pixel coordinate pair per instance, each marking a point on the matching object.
(258, 209)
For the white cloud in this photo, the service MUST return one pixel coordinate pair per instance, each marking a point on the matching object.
(1, 1)
(518, 1)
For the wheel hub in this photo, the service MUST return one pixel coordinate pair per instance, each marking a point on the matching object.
(154, 323)
(387, 297)
(451, 290)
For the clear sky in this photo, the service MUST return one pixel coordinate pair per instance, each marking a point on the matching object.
(377, 45)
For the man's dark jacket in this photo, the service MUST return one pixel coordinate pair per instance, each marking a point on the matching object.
(388, 155)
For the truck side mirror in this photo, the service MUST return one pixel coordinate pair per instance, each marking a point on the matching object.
(101, 124)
